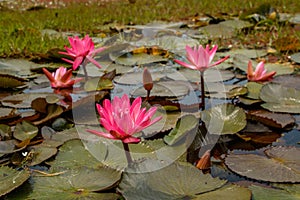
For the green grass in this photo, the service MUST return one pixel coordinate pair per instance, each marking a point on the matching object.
(20, 31)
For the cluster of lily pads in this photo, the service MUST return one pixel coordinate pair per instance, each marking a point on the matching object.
(156, 141)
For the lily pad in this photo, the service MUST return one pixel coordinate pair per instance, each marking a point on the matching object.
(282, 161)
(227, 192)
(164, 89)
(137, 59)
(280, 99)
(23, 100)
(183, 127)
(81, 183)
(10, 81)
(276, 120)
(266, 193)
(73, 155)
(135, 78)
(218, 31)
(253, 90)
(7, 113)
(25, 130)
(176, 181)
(280, 69)
(224, 119)
(98, 84)
(296, 57)
(53, 111)
(249, 53)
(210, 75)
(41, 153)
(292, 81)
(10, 179)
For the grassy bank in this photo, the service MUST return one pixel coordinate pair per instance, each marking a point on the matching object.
(20, 31)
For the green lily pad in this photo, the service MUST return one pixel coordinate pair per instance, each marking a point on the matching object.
(280, 99)
(249, 53)
(23, 100)
(280, 69)
(135, 78)
(10, 179)
(137, 59)
(175, 181)
(7, 113)
(164, 89)
(210, 75)
(5, 132)
(227, 192)
(218, 31)
(81, 183)
(266, 193)
(282, 161)
(248, 101)
(292, 81)
(296, 57)
(224, 119)
(10, 81)
(184, 126)
(53, 111)
(98, 84)
(25, 130)
(73, 154)
(41, 153)
(253, 90)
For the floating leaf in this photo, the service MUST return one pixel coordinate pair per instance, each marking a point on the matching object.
(280, 69)
(296, 57)
(248, 101)
(23, 100)
(41, 153)
(276, 120)
(249, 53)
(280, 99)
(10, 179)
(224, 119)
(164, 89)
(210, 75)
(183, 127)
(266, 193)
(7, 113)
(73, 154)
(218, 31)
(227, 192)
(10, 81)
(282, 161)
(53, 111)
(137, 59)
(98, 84)
(292, 81)
(5, 132)
(76, 184)
(253, 90)
(25, 130)
(135, 78)
(155, 180)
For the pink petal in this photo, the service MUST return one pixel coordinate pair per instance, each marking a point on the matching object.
(212, 53)
(94, 61)
(186, 64)
(102, 134)
(219, 61)
(48, 75)
(131, 140)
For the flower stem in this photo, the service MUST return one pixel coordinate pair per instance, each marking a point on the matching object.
(202, 91)
(148, 95)
(127, 152)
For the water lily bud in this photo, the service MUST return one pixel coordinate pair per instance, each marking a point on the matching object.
(204, 162)
(147, 80)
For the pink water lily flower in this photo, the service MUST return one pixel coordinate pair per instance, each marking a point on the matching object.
(260, 73)
(200, 58)
(61, 78)
(80, 50)
(122, 120)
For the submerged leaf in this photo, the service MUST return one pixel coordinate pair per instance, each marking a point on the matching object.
(266, 193)
(98, 84)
